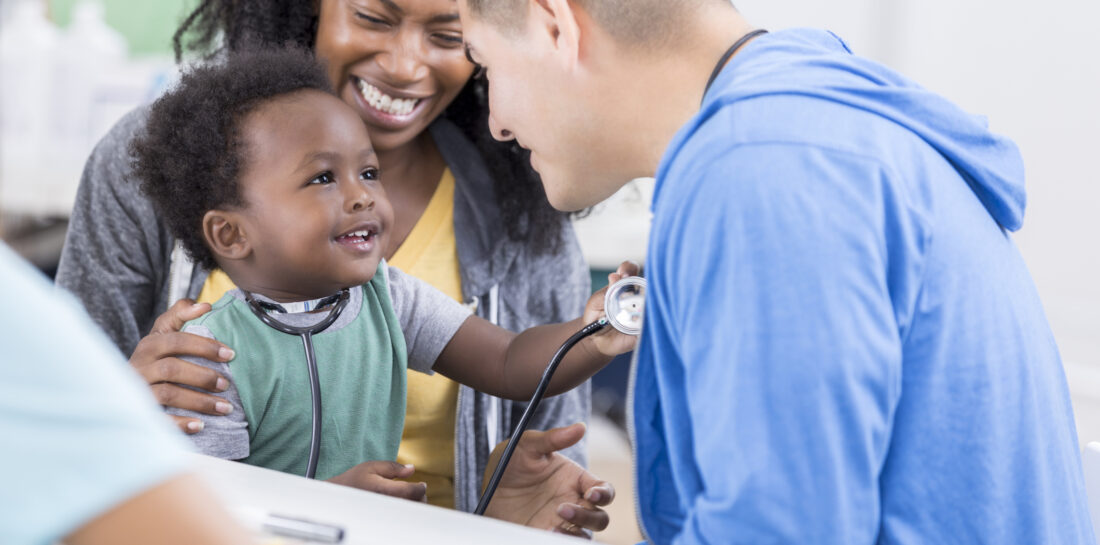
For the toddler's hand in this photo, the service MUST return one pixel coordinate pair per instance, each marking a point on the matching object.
(610, 341)
(378, 476)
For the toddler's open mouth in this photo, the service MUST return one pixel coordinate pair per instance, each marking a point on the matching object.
(362, 238)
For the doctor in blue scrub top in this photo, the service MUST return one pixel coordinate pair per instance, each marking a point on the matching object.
(842, 343)
(87, 455)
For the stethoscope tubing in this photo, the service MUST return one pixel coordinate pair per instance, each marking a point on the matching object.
(306, 334)
(532, 405)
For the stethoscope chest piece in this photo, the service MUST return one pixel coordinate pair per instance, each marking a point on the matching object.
(624, 304)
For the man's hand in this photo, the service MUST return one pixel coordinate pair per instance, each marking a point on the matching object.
(157, 360)
(543, 489)
(379, 477)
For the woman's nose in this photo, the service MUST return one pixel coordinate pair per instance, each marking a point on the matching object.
(403, 60)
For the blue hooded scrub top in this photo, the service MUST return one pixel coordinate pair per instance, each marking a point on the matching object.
(842, 343)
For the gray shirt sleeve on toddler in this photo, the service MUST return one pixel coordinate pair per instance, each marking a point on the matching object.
(428, 317)
(224, 436)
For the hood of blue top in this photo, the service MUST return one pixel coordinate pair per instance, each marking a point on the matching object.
(822, 66)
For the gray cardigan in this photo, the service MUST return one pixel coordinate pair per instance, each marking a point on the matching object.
(120, 261)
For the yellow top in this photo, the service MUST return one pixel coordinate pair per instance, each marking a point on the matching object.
(428, 443)
(217, 284)
(428, 253)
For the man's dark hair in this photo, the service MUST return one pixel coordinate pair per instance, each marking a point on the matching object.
(219, 26)
(190, 154)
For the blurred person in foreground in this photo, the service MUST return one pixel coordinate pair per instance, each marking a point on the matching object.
(88, 457)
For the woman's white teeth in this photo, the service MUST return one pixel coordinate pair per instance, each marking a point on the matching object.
(383, 102)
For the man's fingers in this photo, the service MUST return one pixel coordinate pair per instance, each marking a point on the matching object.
(545, 442)
(172, 395)
(573, 530)
(178, 314)
(602, 493)
(190, 426)
(594, 519)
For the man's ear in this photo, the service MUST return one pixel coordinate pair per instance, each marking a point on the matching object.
(225, 234)
(557, 19)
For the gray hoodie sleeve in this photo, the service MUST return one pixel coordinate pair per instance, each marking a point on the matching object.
(116, 254)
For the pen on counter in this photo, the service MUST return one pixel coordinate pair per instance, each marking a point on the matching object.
(306, 530)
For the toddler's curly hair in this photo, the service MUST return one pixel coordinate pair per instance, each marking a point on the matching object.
(189, 156)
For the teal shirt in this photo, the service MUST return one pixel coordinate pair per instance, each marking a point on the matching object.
(361, 368)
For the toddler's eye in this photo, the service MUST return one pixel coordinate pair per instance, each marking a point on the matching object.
(371, 173)
(323, 178)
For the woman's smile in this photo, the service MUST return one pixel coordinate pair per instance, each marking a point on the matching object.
(394, 110)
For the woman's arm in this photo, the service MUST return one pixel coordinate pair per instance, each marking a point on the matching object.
(116, 253)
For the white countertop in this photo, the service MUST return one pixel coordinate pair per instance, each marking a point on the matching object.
(364, 516)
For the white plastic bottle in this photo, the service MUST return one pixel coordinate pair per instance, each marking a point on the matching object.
(28, 44)
(90, 55)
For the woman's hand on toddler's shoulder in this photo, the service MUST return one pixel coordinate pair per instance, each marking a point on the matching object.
(379, 476)
(157, 359)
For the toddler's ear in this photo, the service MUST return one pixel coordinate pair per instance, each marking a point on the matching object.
(224, 234)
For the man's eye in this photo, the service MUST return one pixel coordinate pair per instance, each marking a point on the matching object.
(323, 178)
(371, 173)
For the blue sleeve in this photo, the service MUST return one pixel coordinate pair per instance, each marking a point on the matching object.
(780, 273)
(81, 432)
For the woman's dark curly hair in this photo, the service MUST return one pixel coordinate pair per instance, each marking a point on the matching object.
(216, 26)
(190, 153)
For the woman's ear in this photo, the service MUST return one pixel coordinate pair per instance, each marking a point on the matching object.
(225, 234)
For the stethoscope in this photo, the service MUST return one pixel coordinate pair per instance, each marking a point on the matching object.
(262, 311)
(624, 305)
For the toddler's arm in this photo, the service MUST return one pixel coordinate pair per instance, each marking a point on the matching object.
(499, 362)
(224, 436)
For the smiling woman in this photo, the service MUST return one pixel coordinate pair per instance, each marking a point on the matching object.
(471, 218)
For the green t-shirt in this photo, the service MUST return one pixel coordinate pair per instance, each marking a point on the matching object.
(361, 369)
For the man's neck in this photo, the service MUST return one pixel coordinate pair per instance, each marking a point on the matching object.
(670, 86)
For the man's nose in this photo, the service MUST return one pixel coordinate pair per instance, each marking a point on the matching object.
(499, 132)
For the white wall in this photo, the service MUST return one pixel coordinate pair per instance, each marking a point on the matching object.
(1034, 69)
